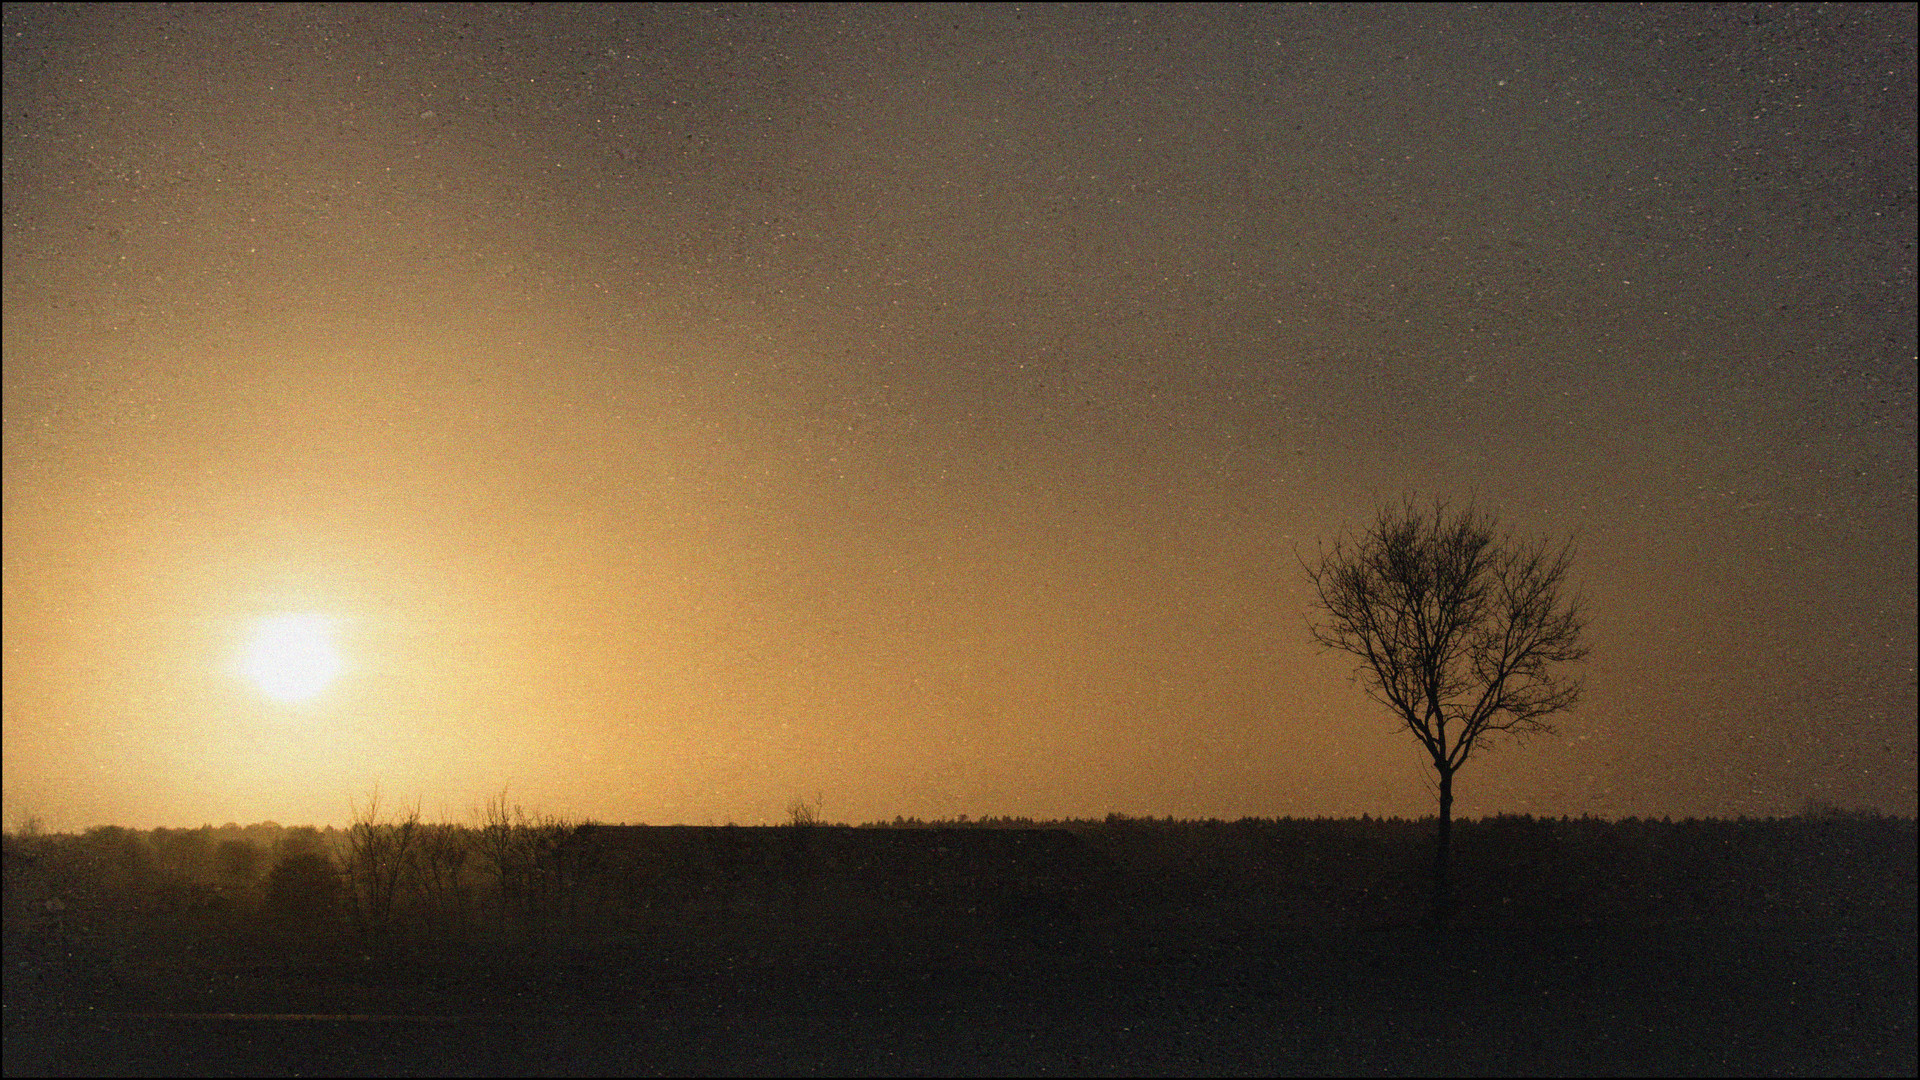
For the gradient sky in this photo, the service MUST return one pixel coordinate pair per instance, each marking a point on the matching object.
(683, 410)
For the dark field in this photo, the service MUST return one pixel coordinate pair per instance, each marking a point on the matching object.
(1260, 947)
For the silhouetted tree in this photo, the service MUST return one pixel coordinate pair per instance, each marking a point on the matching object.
(188, 852)
(380, 853)
(801, 813)
(1459, 629)
(502, 850)
(304, 887)
(239, 862)
(301, 840)
(526, 854)
(443, 851)
(120, 860)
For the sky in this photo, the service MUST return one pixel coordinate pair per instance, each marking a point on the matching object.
(669, 413)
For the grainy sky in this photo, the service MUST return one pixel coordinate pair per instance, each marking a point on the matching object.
(681, 410)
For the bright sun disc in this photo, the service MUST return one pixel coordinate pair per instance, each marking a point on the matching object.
(291, 658)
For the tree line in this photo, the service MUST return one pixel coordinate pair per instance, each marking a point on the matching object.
(387, 869)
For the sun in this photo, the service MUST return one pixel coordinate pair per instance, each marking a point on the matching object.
(291, 658)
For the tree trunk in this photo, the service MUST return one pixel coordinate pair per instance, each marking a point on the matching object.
(1442, 882)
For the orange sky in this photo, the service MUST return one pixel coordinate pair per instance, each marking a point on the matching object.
(685, 412)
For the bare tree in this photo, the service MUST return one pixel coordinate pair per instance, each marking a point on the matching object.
(527, 855)
(379, 855)
(1460, 630)
(550, 861)
(442, 857)
(500, 848)
(801, 813)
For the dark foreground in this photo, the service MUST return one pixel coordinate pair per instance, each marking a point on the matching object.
(1166, 973)
(1774, 1000)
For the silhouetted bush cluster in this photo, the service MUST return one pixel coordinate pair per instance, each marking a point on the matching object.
(378, 876)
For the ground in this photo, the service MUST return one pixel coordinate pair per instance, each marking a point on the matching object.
(1161, 975)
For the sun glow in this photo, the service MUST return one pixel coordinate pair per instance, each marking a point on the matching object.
(291, 658)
